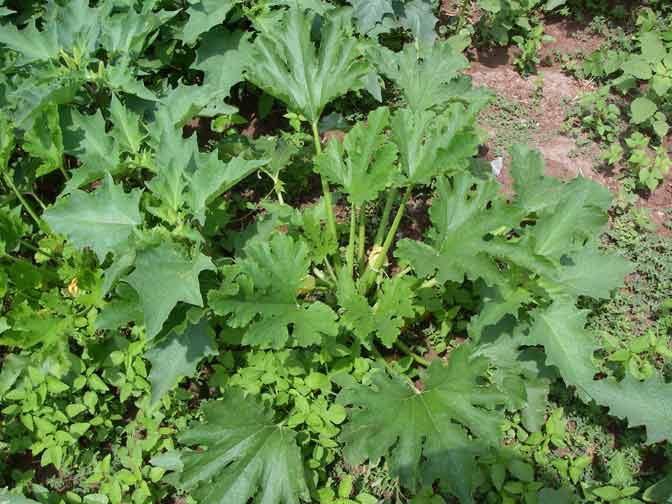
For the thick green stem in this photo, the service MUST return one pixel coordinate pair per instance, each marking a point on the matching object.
(373, 267)
(330, 270)
(40, 223)
(361, 240)
(405, 349)
(350, 253)
(39, 201)
(331, 220)
(387, 210)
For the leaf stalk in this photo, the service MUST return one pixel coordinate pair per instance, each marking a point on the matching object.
(331, 220)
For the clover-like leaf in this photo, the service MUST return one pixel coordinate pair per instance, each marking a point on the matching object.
(428, 438)
(287, 65)
(247, 455)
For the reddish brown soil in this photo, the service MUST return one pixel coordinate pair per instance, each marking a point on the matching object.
(547, 99)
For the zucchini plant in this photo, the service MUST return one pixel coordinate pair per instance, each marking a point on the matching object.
(306, 319)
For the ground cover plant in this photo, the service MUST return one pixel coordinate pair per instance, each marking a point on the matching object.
(212, 293)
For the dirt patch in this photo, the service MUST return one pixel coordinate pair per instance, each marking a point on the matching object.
(544, 100)
(570, 37)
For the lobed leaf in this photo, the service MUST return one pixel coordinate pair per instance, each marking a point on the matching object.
(164, 276)
(247, 455)
(428, 439)
(364, 164)
(287, 65)
(104, 220)
(570, 347)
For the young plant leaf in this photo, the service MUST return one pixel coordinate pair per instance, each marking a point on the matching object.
(364, 164)
(393, 304)
(44, 141)
(265, 301)
(126, 126)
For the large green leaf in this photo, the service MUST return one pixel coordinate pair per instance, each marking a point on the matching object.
(214, 177)
(103, 220)
(426, 78)
(86, 138)
(462, 219)
(74, 25)
(247, 456)
(264, 301)
(127, 126)
(128, 33)
(12, 229)
(175, 157)
(433, 144)
(203, 15)
(163, 276)
(45, 141)
(369, 13)
(30, 43)
(222, 56)
(6, 141)
(570, 347)
(417, 16)
(177, 355)
(470, 221)
(287, 65)
(7, 498)
(187, 176)
(424, 434)
(365, 163)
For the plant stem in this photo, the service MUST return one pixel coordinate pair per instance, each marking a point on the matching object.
(387, 210)
(405, 349)
(331, 220)
(41, 224)
(39, 201)
(330, 270)
(372, 269)
(350, 253)
(65, 174)
(361, 241)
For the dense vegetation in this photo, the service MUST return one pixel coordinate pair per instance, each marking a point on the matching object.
(213, 291)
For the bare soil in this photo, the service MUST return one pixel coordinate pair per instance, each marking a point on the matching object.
(544, 100)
